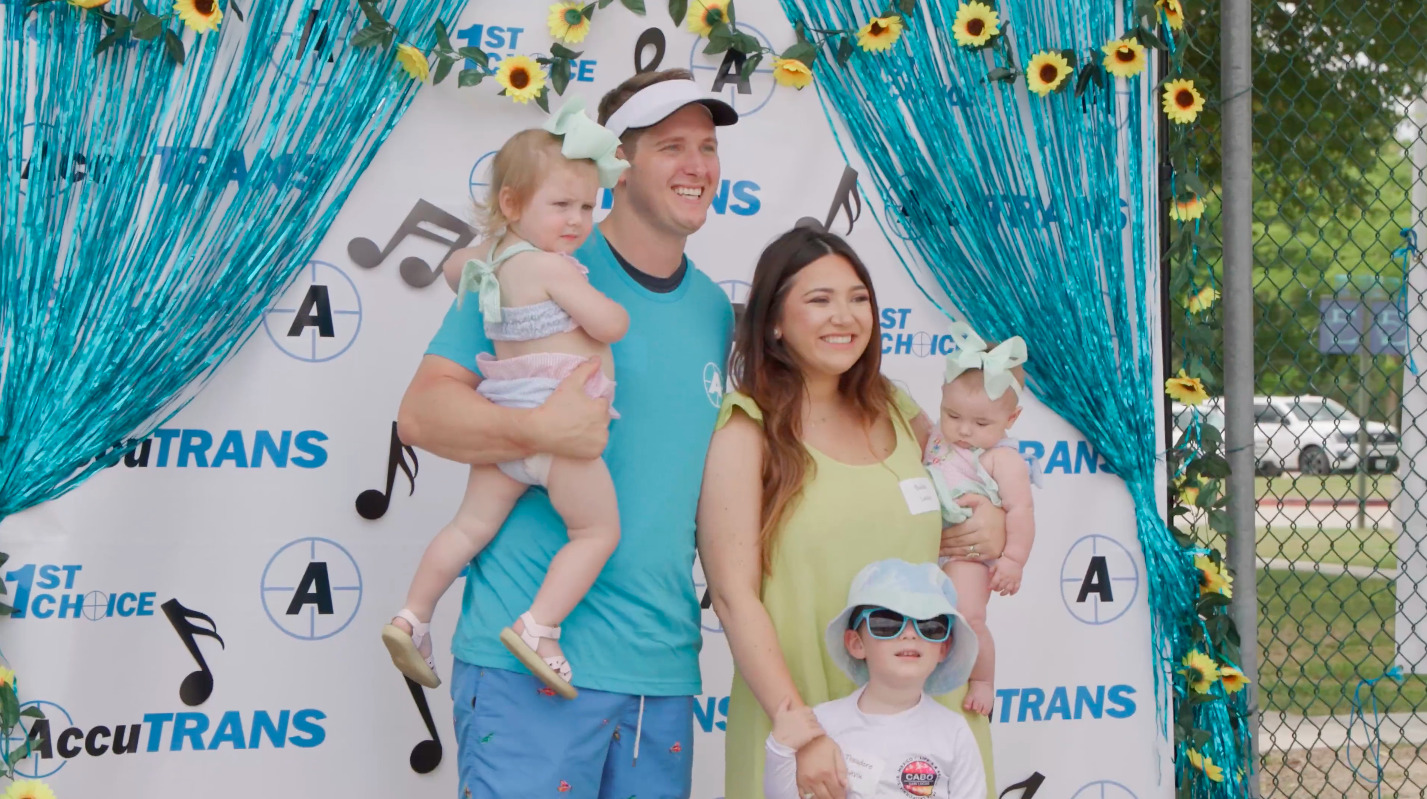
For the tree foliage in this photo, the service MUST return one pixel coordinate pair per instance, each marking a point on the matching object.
(1332, 83)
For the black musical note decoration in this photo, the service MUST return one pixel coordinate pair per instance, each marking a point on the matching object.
(416, 272)
(372, 504)
(1027, 786)
(426, 755)
(198, 685)
(844, 198)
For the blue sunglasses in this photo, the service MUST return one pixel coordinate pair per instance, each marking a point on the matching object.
(884, 624)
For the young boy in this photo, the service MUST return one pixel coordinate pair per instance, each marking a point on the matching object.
(902, 640)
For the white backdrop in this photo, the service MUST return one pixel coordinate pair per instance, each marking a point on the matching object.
(243, 508)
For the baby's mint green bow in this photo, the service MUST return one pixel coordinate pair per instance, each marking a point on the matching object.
(585, 138)
(479, 277)
(995, 365)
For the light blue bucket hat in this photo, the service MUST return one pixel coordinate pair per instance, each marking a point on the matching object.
(918, 590)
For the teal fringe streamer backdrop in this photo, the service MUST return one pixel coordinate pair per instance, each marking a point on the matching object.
(132, 264)
(1012, 205)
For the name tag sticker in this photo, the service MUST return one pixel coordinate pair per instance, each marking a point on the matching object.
(920, 496)
(863, 772)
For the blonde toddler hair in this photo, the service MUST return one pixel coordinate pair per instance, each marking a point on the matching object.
(520, 165)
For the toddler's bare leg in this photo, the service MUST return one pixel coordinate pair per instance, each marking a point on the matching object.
(973, 589)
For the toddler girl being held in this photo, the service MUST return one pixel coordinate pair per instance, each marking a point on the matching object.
(545, 320)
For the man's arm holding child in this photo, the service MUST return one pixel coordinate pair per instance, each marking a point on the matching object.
(442, 413)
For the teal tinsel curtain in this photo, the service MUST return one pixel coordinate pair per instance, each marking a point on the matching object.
(150, 212)
(1036, 217)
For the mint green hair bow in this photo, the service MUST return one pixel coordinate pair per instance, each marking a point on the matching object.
(584, 138)
(995, 365)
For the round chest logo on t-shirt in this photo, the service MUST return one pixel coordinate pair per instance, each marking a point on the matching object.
(918, 777)
(713, 383)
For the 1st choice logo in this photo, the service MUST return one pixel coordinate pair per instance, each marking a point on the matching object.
(50, 591)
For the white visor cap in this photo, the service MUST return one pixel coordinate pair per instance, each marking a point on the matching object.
(654, 103)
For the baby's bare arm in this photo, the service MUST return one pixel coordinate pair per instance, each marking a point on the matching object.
(602, 318)
(1013, 479)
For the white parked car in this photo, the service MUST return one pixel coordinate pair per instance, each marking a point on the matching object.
(1318, 436)
(1210, 414)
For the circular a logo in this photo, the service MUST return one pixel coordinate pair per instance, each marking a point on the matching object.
(713, 384)
(1104, 789)
(1099, 579)
(306, 52)
(311, 588)
(737, 291)
(478, 179)
(319, 317)
(923, 344)
(708, 620)
(918, 777)
(904, 219)
(96, 605)
(56, 720)
(760, 83)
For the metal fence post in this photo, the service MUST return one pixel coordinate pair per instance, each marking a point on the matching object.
(1238, 309)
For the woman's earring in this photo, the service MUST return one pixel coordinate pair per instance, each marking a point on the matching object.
(778, 334)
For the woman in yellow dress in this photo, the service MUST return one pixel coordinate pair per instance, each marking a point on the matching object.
(815, 471)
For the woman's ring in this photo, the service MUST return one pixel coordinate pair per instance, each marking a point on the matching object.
(809, 795)
(971, 551)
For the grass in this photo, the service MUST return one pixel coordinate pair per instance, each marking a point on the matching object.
(1368, 547)
(1342, 487)
(1329, 772)
(1319, 636)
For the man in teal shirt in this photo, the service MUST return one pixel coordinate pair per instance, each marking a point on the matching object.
(635, 637)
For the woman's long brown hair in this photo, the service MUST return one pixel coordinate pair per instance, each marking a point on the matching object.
(764, 369)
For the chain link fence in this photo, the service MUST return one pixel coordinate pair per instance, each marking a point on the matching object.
(1340, 628)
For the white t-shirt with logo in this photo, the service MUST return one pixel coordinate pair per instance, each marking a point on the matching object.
(926, 752)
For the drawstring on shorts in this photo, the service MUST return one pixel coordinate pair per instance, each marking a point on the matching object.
(638, 729)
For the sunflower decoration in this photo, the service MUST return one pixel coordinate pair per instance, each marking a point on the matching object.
(522, 78)
(1187, 208)
(1203, 300)
(1200, 670)
(200, 15)
(1188, 494)
(1213, 580)
(1047, 72)
(1187, 390)
(28, 789)
(880, 34)
(567, 22)
(413, 61)
(975, 24)
(1233, 679)
(1182, 102)
(1124, 58)
(7, 677)
(1173, 13)
(1204, 764)
(791, 72)
(705, 14)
